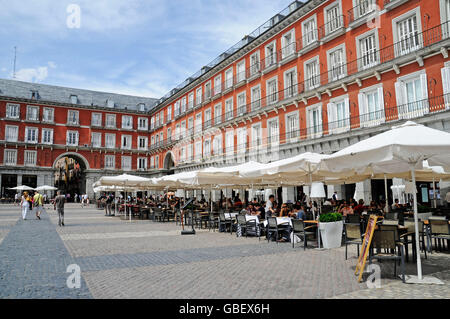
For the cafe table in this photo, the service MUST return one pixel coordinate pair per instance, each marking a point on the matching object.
(314, 222)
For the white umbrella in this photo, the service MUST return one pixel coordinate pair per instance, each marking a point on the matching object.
(22, 188)
(399, 150)
(46, 188)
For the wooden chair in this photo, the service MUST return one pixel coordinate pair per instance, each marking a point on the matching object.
(440, 231)
(353, 236)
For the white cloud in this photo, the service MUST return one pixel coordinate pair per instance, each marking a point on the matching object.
(38, 74)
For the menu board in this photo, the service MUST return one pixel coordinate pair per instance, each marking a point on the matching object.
(367, 240)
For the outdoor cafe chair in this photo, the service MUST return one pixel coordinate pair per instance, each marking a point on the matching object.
(440, 231)
(411, 231)
(299, 229)
(157, 214)
(393, 249)
(227, 223)
(213, 221)
(274, 228)
(353, 236)
(391, 216)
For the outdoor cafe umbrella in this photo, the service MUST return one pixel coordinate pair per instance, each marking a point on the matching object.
(399, 150)
(46, 188)
(22, 188)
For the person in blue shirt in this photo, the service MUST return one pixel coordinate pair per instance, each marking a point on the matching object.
(298, 212)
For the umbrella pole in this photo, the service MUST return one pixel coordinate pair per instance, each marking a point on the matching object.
(434, 194)
(416, 225)
(386, 208)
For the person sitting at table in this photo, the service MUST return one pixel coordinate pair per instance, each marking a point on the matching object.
(346, 209)
(259, 211)
(284, 211)
(358, 209)
(298, 212)
(396, 205)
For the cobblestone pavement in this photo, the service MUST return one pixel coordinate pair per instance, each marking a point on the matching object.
(145, 259)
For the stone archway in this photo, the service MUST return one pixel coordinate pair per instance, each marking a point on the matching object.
(169, 162)
(70, 173)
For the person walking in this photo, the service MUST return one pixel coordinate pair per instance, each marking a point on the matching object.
(25, 204)
(38, 204)
(60, 200)
(16, 199)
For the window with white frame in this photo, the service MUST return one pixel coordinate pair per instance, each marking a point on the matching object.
(177, 131)
(190, 152)
(12, 111)
(157, 161)
(157, 120)
(191, 100)
(47, 136)
(29, 158)
(96, 139)
(256, 97)
(198, 96)
(183, 154)
(240, 73)
(31, 135)
(241, 135)
(273, 132)
(312, 73)
(207, 148)
(336, 63)
(309, 33)
(367, 50)
(338, 114)
(126, 163)
(141, 107)
(169, 134)
(110, 120)
(254, 63)
(161, 137)
(110, 140)
(48, 115)
(157, 140)
(10, 157)
(217, 84)
(412, 95)
(314, 120)
(292, 125)
(72, 138)
(406, 30)
(127, 122)
(288, 44)
(126, 142)
(161, 117)
(191, 125)
(73, 117)
(217, 145)
(229, 143)
(183, 104)
(152, 141)
(96, 119)
(198, 150)
(362, 7)
(152, 162)
(142, 163)
(271, 54)
(371, 106)
(444, 9)
(169, 113)
(241, 109)
(183, 129)
(208, 90)
(177, 108)
(208, 117)
(32, 113)
(11, 133)
(142, 123)
(445, 74)
(256, 136)
(110, 161)
(290, 83)
(198, 122)
(333, 17)
(229, 109)
(228, 78)
(218, 114)
(272, 90)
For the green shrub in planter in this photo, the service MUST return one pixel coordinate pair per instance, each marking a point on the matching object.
(330, 217)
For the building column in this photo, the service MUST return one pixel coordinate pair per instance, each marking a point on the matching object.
(19, 179)
(363, 191)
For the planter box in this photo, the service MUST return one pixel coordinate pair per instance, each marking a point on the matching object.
(331, 234)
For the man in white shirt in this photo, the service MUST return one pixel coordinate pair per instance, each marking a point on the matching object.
(269, 206)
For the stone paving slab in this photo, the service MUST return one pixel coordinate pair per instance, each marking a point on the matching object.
(33, 263)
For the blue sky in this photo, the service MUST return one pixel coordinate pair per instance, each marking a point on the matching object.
(133, 47)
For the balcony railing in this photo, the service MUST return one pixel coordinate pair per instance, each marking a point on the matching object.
(331, 26)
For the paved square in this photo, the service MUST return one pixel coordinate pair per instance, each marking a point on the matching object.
(146, 259)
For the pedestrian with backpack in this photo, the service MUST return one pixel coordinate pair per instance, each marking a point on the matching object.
(38, 204)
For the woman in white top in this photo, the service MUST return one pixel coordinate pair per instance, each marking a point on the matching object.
(25, 205)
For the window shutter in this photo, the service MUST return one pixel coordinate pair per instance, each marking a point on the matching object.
(400, 97)
(347, 114)
(423, 81)
(331, 113)
(381, 106)
(446, 85)
(320, 122)
(362, 108)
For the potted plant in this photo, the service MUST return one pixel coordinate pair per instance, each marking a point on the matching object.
(331, 226)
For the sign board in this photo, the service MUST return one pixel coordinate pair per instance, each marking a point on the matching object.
(367, 240)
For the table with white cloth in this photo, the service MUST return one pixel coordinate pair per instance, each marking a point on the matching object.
(230, 215)
(281, 220)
